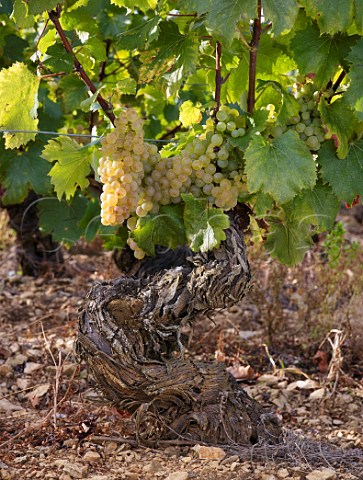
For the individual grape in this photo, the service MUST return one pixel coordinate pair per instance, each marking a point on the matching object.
(221, 115)
(217, 140)
(276, 131)
(221, 126)
(313, 143)
(300, 127)
(231, 126)
(309, 131)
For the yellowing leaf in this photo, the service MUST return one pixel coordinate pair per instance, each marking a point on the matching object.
(71, 168)
(189, 114)
(18, 104)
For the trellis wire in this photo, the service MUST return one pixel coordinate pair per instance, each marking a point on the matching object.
(85, 135)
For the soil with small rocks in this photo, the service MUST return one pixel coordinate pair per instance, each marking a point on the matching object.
(279, 343)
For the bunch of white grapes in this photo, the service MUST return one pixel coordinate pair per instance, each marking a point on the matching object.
(137, 180)
(121, 168)
(307, 123)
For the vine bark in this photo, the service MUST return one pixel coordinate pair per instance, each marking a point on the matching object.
(131, 338)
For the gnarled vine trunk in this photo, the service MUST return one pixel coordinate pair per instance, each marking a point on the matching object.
(36, 252)
(130, 338)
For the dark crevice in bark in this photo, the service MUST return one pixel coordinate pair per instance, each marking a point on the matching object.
(130, 338)
(37, 253)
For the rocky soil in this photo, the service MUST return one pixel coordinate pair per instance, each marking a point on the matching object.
(295, 343)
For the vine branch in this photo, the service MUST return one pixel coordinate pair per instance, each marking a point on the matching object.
(253, 59)
(219, 78)
(54, 16)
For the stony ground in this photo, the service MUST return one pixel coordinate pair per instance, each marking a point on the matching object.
(296, 345)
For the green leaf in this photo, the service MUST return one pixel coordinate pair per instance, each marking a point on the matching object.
(288, 239)
(345, 176)
(338, 118)
(358, 14)
(204, 225)
(281, 168)
(20, 15)
(165, 228)
(18, 104)
(318, 206)
(189, 114)
(332, 17)
(320, 54)
(58, 60)
(225, 14)
(237, 82)
(143, 5)
(74, 91)
(354, 93)
(61, 219)
(263, 204)
(289, 106)
(39, 6)
(22, 171)
(283, 17)
(127, 86)
(136, 37)
(72, 165)
(47, 40)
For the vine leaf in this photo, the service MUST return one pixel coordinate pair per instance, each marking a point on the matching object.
(143, 5)
(320, 54)
(332, 17)
(22, 171)
(354, 92)
(282, 18)
(345, 176)
(165, 228)
(318, 206)
(289, 239)
(72, 165)
(36, 7)
(61, 219)
(189, 114)
(289, 106)
(139, 35)
(18, 104)
(203, 225)
(338, 119)
(281, 168)
(224, 15)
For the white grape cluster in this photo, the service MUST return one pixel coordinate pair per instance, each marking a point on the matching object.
(307, 123)
(121, 169)
(137, 180)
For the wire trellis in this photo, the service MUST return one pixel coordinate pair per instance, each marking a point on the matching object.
(82, 135)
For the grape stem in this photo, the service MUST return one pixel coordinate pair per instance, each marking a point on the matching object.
(253, 59)
(339, 80)
(219, 79)
(54, 16)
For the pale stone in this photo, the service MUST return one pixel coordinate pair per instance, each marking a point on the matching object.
(31, 367)
(269, 379)
(229, 460)
(178, 476)
(154, 467)
(75, 470)
(283, 473)
(209, 453)
(324, 474)
(5, 370)
(91, 456)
